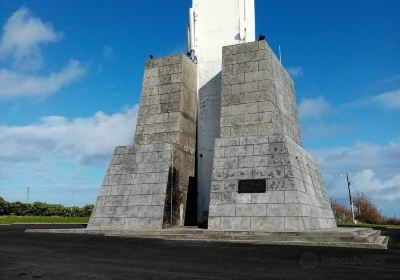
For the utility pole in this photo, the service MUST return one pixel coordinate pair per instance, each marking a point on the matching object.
(27, 195)
(351, 201)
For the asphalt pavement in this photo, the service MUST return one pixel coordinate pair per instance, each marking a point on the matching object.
(66, 256)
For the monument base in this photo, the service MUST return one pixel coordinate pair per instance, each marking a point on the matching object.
(293, 198)
(361, 238)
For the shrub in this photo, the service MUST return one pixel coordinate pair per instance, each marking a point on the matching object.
(366, 211)
(342, 214)
(87, 210)
(42, 209)
(390, 221)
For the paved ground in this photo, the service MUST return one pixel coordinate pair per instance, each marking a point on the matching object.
(56, 256)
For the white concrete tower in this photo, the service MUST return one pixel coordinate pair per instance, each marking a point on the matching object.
(213, 24)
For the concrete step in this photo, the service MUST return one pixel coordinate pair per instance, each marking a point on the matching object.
(369, 236)
(382, 244)
(353, 238)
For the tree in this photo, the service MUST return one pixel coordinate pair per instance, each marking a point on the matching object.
(342, 214)
(4, 206)
(366, 211)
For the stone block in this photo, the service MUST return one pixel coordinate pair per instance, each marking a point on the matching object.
(273, 224)
(235, 223)
(215, 198)
(142, 199)
(136, 224)
(150, 211)
(268, 197)
(158, 199)
(251, 210)
(228, 197)
(222, 210)
(243, 198)
(294, 224)
(284, 210)
(214, 223)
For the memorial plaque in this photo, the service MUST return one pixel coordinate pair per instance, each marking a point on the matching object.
(252, 186)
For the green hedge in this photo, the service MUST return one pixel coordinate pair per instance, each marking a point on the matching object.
(42, 209)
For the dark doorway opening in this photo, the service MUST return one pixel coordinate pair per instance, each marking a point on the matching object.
(191, 203)
(171, 208)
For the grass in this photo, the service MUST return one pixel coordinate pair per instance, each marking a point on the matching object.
(42, 220)
(378, 226)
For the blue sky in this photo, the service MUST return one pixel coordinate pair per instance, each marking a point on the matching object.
(70, 82)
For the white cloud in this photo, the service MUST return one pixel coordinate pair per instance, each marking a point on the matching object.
(374, 170)
(295, 71)
(313, 108)
(81, 140)
(14, 84)
(21, 41)
(362, 156)
(389, 100)
(369, 182)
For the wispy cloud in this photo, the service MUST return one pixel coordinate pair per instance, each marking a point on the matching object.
(21, 45)
(15, 84)
(389, 100)
(295, 72)
(310, 108)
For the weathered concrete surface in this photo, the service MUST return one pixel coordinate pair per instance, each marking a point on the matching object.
(146, 184)
(339, 237)
(260, 140)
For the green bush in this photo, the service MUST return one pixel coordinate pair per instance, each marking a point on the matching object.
(42, 209)
(4, 206)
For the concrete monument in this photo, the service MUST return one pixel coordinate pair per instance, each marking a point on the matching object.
(217, 134)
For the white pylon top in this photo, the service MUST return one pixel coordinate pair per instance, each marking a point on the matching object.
(218, 23)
